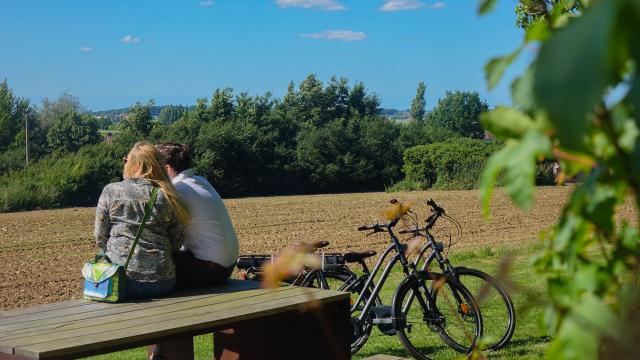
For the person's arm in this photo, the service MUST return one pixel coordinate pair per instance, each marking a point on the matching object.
(102, 227)
(176, 233)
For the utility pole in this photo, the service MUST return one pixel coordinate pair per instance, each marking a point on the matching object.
(26, 138)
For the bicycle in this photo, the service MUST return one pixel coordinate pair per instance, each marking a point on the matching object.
(494, 300)
(308, 277)
(423, 302)
(406, 317)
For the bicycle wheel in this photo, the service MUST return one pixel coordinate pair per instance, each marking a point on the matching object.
(345, 280)
(455, 319)
(498, 312)
(338, 279)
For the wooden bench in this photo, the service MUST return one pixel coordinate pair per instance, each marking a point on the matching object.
(285, 323)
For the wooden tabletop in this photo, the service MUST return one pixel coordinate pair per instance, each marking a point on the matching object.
(80, 328)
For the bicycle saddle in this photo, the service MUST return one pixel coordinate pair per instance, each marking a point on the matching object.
(352, 257)
(311, 246)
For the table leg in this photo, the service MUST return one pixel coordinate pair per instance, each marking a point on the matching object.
(318, 332)
(181, 348)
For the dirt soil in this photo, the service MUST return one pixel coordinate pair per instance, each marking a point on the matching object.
(42, 252)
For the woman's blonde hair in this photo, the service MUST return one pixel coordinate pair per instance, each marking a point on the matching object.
(145, 161)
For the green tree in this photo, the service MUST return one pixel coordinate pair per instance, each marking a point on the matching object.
(71, 131)
(222, 106)
(561, 110)
(418, 103)
(530, 11)
(13, 112)
(459, 112)
(170, 114)
(138, 122)
(226, 155)
(363, 104)
(51, 110)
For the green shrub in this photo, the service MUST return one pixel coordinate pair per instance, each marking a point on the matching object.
(11, 160)
(406, 185)
(452, 164)
(62, 180)
(544, 174)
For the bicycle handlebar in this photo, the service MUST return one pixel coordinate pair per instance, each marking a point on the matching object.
(375, 227)
(412, 230)
(435, 207)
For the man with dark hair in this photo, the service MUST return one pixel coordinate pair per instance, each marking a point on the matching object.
(210, 248)
(177, 157)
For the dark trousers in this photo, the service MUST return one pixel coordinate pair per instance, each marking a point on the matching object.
(192, 272)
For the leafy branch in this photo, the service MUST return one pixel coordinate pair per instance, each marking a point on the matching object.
(562, 111)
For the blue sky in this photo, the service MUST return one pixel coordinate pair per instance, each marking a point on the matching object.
(113, 53)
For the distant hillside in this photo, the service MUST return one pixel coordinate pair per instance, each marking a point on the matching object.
(399, 115)
(395, 114)
(116, 114)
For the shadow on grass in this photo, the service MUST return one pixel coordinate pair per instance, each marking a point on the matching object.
(532, 347)
(529, 341)
(401, 352)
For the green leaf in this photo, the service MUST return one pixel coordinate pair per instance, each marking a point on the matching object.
(573, 68)
(538, 31)
(490, 174)
(633, 96)
(518, 159)
(506, 123)
(521, 168)
(486, 6)
(595, 315)
(586, 278)
(522, 91)
(629, 238)
(496, 67)
(573, 342)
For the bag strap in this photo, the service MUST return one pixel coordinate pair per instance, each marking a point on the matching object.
(101, 255)
(147, 212)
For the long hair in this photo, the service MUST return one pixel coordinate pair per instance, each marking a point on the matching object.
(145, 161)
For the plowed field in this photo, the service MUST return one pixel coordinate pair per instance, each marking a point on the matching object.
(42, 252)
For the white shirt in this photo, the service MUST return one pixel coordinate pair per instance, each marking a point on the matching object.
(210, 234)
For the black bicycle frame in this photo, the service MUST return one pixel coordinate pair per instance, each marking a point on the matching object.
(445, 265)
(406, 267)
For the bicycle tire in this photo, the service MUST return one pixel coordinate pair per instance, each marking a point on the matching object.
(345, 280)
(493, 303)
(417, 325)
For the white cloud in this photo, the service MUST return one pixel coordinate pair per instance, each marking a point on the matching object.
(130, 39)
(329, 5)
(85, 48)
(205, 3)
(344, 35)
(399, 5)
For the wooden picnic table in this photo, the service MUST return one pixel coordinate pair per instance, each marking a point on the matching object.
(284, 323)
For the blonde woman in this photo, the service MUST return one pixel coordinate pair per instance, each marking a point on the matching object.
(120, 210)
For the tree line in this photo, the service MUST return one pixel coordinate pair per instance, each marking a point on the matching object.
(318, 138)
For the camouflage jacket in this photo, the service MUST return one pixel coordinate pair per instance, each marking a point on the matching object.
(118, 216)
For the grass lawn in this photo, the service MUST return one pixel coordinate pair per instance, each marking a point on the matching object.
(529, 341)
